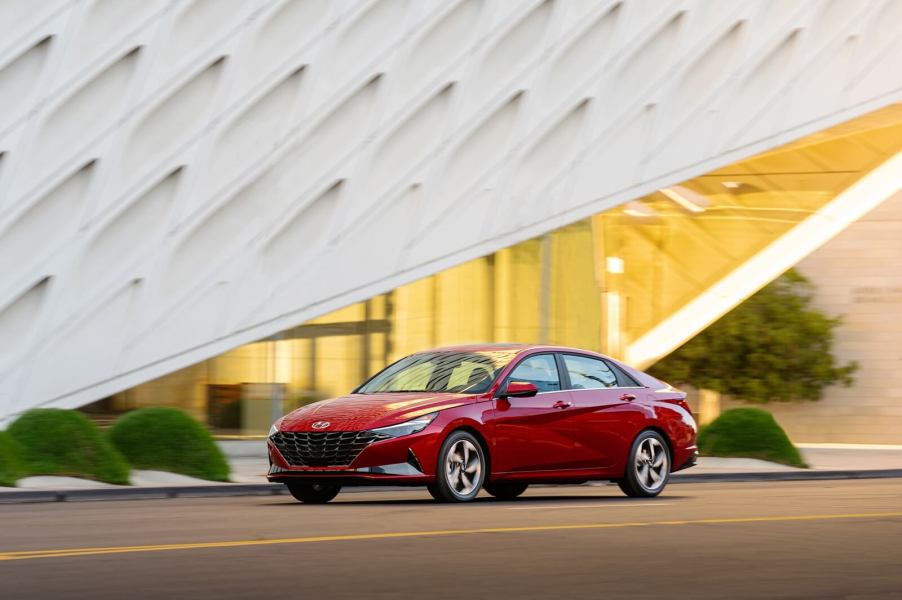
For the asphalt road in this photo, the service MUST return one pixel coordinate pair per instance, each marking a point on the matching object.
(837, 539)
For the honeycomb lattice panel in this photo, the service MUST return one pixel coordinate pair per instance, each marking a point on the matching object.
(181, 177)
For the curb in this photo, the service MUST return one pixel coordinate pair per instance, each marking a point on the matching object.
(800, 475)
(276, 489)
(141, 493)
(162, 492)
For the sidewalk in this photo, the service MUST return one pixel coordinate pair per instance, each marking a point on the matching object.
(820, 457)
(249, 465)
(852, 456)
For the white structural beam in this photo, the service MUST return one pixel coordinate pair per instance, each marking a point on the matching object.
(178, 178)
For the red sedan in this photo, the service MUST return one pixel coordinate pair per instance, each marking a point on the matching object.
(491, 417)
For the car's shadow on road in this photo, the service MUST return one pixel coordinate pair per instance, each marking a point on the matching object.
(582, 500)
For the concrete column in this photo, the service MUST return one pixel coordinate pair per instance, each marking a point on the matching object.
(708, 406)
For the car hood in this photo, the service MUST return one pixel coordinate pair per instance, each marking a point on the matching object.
(356, 412)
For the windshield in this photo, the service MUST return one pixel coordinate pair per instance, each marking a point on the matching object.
(457, 372)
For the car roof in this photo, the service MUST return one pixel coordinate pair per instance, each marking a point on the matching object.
(509, 347)
(641, 376)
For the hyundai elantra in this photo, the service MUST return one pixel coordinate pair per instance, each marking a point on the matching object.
(491, 417)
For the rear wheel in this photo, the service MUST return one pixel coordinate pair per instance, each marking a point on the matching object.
(461, 469)
(648, 466)
(505, 491)
(313, 493)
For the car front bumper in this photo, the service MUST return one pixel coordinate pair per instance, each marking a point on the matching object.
(406, 460)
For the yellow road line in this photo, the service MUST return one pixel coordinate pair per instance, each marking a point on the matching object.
(68, 552)
(597, 505)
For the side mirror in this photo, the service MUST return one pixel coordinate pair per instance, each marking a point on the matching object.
(520, 389)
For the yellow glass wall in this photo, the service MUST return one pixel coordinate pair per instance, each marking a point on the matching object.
(676, 243)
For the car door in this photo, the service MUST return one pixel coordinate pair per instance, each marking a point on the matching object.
(608, 406)
(534, 433)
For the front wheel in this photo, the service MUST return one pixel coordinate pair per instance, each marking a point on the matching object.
(312, 493)
(505, 491)
(648, 466)
(461, 469)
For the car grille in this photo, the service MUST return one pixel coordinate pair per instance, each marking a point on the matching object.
(323, 449)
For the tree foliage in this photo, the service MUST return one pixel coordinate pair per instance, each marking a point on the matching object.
(774, 347)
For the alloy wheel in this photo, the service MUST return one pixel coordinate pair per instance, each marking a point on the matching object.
(463, 467)
(651, 464)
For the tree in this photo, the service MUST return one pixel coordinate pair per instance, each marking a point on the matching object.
(774, 347)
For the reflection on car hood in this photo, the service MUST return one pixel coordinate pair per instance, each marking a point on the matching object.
(355, 412)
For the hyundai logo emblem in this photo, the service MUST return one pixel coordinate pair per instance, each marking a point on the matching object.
(321, 424)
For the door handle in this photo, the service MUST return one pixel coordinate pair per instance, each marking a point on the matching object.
(627, 397)
(560, 404)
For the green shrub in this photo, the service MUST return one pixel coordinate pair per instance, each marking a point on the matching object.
(774, 347)
(12, 465)
(748, 433)
(65, 442)
(167, 439)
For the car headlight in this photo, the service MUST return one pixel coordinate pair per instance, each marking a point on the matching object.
(273, 430)
(407, 427)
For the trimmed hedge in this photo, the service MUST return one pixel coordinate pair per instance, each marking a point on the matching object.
(64, 442)
(12, 465)
(167, 439)
(748, 433)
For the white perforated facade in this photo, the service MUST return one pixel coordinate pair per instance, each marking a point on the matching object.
(178, 178)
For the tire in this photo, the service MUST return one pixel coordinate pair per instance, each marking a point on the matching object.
(648, 466)
(453, 482)
(504, 490)
(313, 493)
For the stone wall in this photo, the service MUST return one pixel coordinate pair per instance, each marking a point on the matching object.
(858, 275)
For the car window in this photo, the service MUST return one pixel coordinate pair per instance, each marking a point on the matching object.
(469, 375)
(539, 370)
(589, 373)
(415, 378)
(623, 378)
(443, 371)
